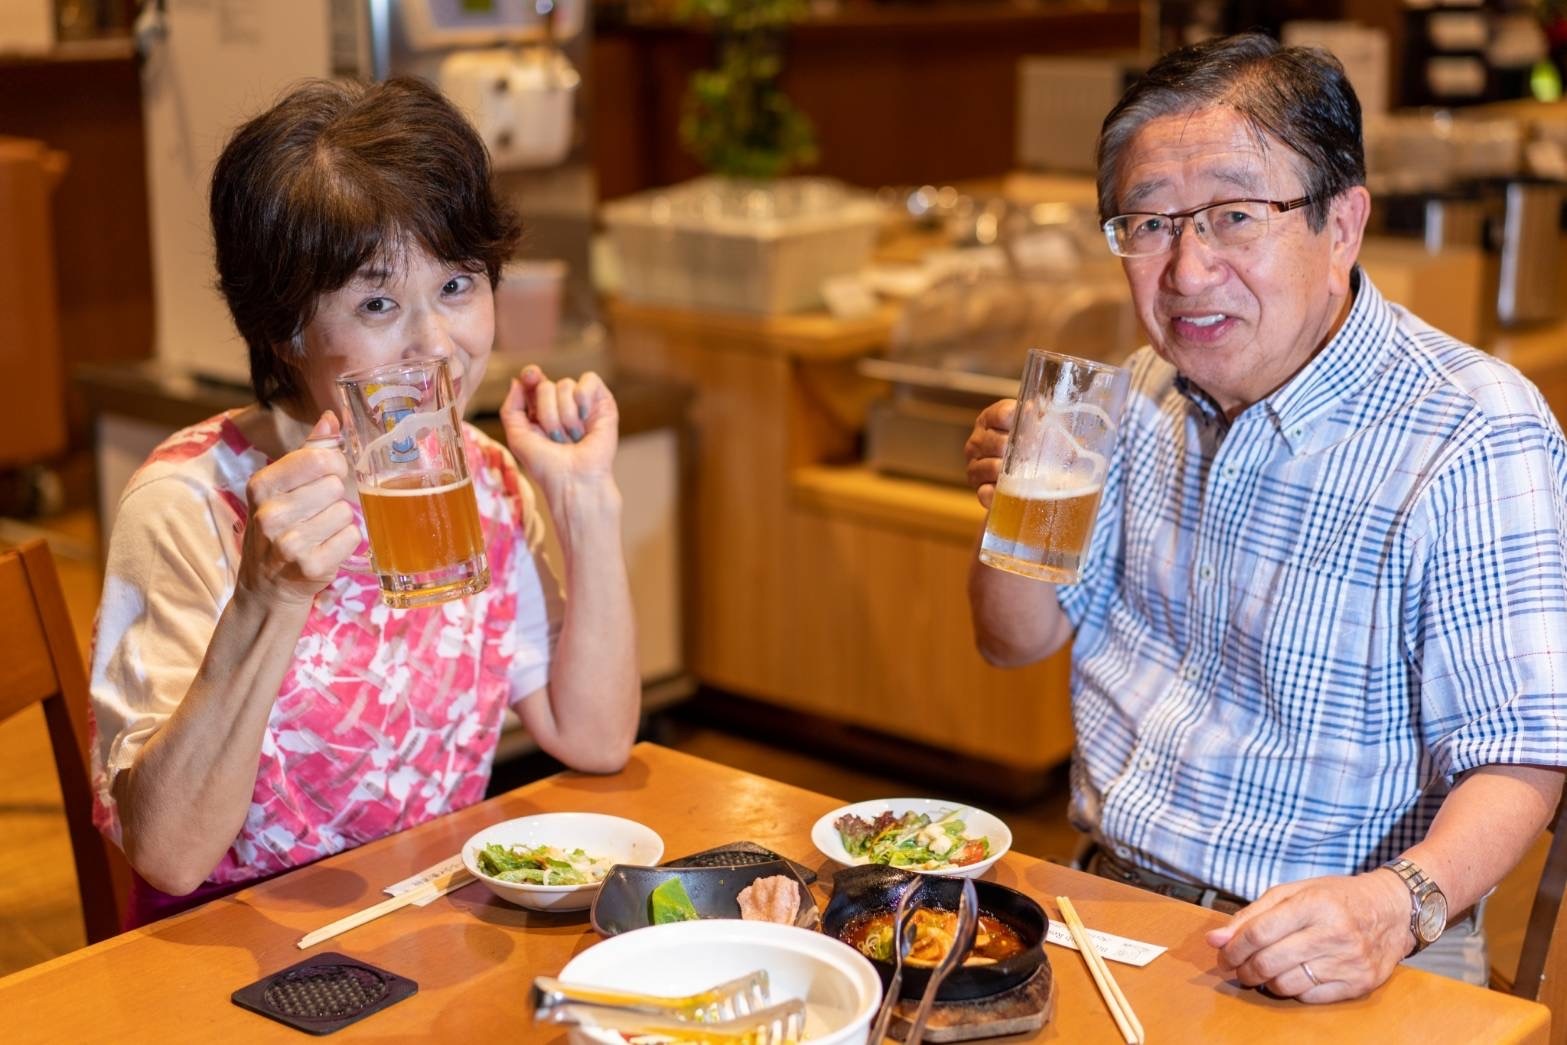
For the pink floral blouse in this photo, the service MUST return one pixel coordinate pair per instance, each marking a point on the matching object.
(386, 719)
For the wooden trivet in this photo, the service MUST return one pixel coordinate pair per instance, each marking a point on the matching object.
(1026, 1007)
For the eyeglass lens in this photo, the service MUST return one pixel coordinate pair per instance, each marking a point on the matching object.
(1222, 225)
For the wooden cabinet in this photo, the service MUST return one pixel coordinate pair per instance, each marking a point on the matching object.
(84, 101)
(817, 586)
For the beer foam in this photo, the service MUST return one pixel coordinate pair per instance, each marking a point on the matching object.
(415, 491)
(1050, 487)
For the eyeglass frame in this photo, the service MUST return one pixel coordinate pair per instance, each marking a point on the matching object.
(1181, 217)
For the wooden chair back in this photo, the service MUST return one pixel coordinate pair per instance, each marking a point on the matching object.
(1542, 964)
(40, 663)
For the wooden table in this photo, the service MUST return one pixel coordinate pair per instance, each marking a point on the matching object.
(474, 956)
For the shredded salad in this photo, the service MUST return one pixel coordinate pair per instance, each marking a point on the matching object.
(541, 865)
(913, 840)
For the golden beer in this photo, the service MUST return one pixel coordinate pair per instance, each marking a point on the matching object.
(425, 537)
(1040, 526)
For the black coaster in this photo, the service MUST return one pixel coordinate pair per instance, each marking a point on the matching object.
(740, 854)
(325, 993)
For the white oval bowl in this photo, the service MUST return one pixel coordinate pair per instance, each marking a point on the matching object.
(840, 986)
(618, 840)
(976, 823)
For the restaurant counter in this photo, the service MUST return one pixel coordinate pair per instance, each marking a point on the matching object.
(818, 587)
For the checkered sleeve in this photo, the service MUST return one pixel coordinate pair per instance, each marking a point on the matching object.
(1486, 612)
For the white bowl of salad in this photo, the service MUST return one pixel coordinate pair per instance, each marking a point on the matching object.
(556, 861)
(927, 835)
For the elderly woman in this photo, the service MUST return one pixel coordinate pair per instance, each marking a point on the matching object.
(256, 706)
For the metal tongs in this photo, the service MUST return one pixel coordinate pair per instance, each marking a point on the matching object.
(902, 939)
(732, 1012)
(962, 942)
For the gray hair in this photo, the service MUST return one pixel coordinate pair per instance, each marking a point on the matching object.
(1297, 97)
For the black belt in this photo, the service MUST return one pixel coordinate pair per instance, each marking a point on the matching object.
(1105, 864)
(1102, 862)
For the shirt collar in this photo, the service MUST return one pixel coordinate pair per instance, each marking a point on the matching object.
(1204, 404)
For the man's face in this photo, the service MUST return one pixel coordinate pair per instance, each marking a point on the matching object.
(1238, 321)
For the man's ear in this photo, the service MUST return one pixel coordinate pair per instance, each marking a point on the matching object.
(1347, 225)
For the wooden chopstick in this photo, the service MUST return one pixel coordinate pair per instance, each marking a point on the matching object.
(433, 888)
(1126, 1020)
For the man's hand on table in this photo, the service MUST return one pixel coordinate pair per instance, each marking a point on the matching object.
(1351, 931)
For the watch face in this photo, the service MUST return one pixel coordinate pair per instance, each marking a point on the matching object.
(1433, 916)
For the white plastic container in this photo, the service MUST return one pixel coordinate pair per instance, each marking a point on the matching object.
(741, 246)
(520, 102)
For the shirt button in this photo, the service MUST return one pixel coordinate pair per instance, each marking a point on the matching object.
(1297, 432)
(1191, 673)
(1146, 762)
(1230, 470)
(1205, 571)
(1123, 852)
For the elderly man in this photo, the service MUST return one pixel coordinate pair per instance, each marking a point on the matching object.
(1320, 641)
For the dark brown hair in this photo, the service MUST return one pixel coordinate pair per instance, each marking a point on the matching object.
(332, 177)
(1297, 97)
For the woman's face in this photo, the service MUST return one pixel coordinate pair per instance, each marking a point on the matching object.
(419, 307)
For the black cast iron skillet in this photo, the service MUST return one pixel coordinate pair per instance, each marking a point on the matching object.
(864, 890)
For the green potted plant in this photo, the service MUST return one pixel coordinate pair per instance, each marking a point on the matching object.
(736, 120)
(745, 238)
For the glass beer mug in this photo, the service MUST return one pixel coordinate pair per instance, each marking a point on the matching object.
(404, 438)
(1053, 473)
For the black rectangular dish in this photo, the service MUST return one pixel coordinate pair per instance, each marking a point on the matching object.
(622, 901)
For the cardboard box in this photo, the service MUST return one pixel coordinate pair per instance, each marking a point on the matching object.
(26, 25)
(1061, 104)
(1447, 289)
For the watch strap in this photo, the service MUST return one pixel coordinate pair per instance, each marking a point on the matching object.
(1420, 886)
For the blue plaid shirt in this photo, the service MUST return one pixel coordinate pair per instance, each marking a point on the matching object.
(1294, 629)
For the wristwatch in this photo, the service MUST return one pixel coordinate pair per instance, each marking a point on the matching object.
(1427, 904)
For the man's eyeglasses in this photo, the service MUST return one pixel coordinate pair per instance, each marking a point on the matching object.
(1229, 223)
